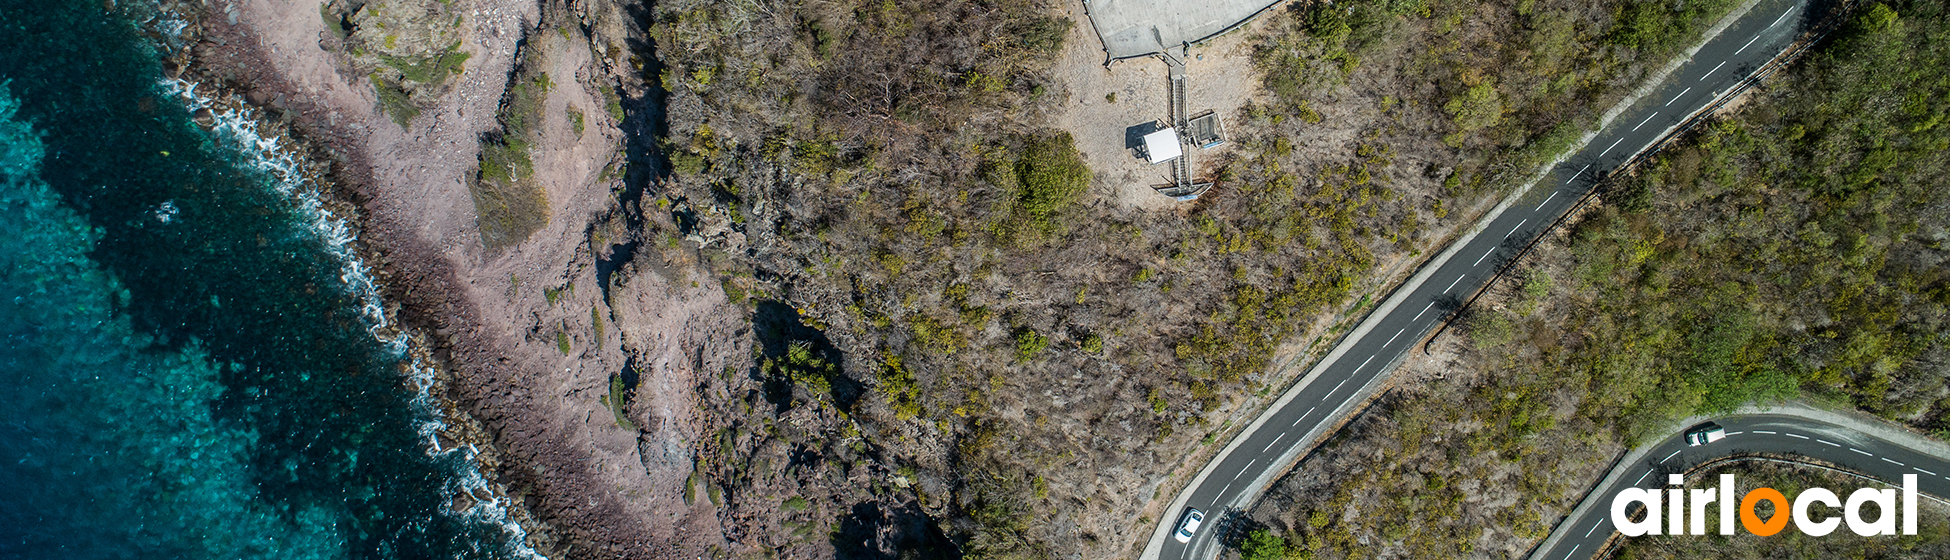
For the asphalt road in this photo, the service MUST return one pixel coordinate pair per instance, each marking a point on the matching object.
(1736, 53)
(1585, 536)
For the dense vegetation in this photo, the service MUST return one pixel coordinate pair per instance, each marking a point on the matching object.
(1517, 83)
(1795, 247)
(885, 169)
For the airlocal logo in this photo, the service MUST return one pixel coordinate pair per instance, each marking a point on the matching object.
(1675, 502)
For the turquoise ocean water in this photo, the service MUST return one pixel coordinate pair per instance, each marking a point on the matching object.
(193, 362)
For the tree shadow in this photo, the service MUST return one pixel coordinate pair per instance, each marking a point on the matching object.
(778, 329)
(903, 533)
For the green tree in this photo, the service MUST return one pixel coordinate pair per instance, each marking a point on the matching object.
(1479, 107)
(1261, 544)
(1048, 178)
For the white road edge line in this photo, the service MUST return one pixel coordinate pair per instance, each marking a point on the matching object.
(1648, 118)
(1830, 443)
(1675, 453)
(1424, 310)
(1702, 77)
(1796, 436)
(1479, 260)
(1676, 97)
(1862, 452)
(1750, 42)
(1547, 200)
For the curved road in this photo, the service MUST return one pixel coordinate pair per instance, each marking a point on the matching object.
(1334, 388)
(1585, 532)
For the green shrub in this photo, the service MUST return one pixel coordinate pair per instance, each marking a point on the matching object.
(903, 393)
(690, 488)
(1029, 343)
(429, 70)
(619, 402)
(395, 101)
(508, 206)
(794, 504)
(803, 366)
(596, 321)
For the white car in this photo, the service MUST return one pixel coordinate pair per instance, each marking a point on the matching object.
(1189, 525)
(1704, 434)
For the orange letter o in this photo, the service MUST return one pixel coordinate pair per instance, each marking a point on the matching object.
(1752, 522)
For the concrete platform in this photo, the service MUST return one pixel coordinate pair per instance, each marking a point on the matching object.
(1134, 28)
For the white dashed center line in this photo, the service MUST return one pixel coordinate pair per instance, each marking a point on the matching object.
(1479, 260)
(1452, 285)
(1642, 478)
(1675, 453)
(1608, 150)
(1593, 529)
(1276, 441)
(1424, 310)
(1574, 176)
(1702, 77)
(1513, 231)
(1893, 462)
(1768, 432)
(1398, 334)
(1574, 551)
(1750, 42)
(1796, 436)
(1920, 469)
(1828, 443)
(1648, 118)
(1864, 453)
(1777, 21)
(1547, 200)
(1676, 97)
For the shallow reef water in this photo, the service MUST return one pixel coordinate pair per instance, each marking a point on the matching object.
(194, 362)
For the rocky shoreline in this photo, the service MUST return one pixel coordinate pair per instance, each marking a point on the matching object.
(481, 316)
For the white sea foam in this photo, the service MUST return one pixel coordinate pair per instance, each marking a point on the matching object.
(339, 237)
